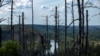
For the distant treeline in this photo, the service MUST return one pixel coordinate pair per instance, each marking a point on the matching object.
(94, 31)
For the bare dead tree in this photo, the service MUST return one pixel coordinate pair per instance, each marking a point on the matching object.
(1, 3)
(42, 45)
(58, 26)
(0, 36)
(13, 31)
(86, 46)
(47, 35)
(32, 27)
(19, 29)
(23, 37)
(83, 35)
(32, 18)
(80, 27)
(65, 27)
(56, 30)
(0, 31)
(73, 28)
(12, 38)
(47, 26)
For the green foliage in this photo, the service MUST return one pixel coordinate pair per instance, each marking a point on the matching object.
(2, 51)
(10, 48)
(36, 46)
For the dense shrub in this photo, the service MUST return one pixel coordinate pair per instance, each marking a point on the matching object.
(10, 48)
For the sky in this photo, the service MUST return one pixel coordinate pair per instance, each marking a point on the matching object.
(47, 7)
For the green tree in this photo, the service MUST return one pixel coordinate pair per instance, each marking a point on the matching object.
(10, 48)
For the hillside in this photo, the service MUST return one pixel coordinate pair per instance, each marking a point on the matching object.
(94, 31)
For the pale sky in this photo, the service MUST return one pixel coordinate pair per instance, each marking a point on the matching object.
(46, 7)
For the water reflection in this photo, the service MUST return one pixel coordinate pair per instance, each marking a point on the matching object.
(52, 43)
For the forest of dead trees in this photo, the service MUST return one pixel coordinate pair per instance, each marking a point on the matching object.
(80, 42)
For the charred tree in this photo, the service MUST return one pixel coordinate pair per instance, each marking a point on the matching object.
(83, 35)
(42, 46)
(0, 36)
(58, 38)
(0, 29)
(32, 46)
(47, 35)
(73, 28)
(19, 29)
(12, 38)
(80, 27)
(47, 27)
(13, 31)
(56, 14)
(23, 37)
(32, 18)
(86, 46)
(65, 27)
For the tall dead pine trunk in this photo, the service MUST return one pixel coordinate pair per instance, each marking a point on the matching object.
(86, 33)
(32, 46)
(19, 29)
(73, 28)
(13, 32)
(56, 30)
(47, 27)
(23, 37)
(80, 27)
(83, 35)
(0, 31)
(66, 53)
(58, 34)
(12, 38)
(0, 36)
(42, 46)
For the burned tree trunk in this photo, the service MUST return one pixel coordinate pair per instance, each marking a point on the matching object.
(47, 35)
(73, 47)
(23, 37)
(12, 38)
(56, 30)
(65, 27)
(80, 28)
(58, 34)
(86, 46)
(13, 32)
(42, 45)
(19, 29)
(32, 27)
(83, 35)
(0, 36)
